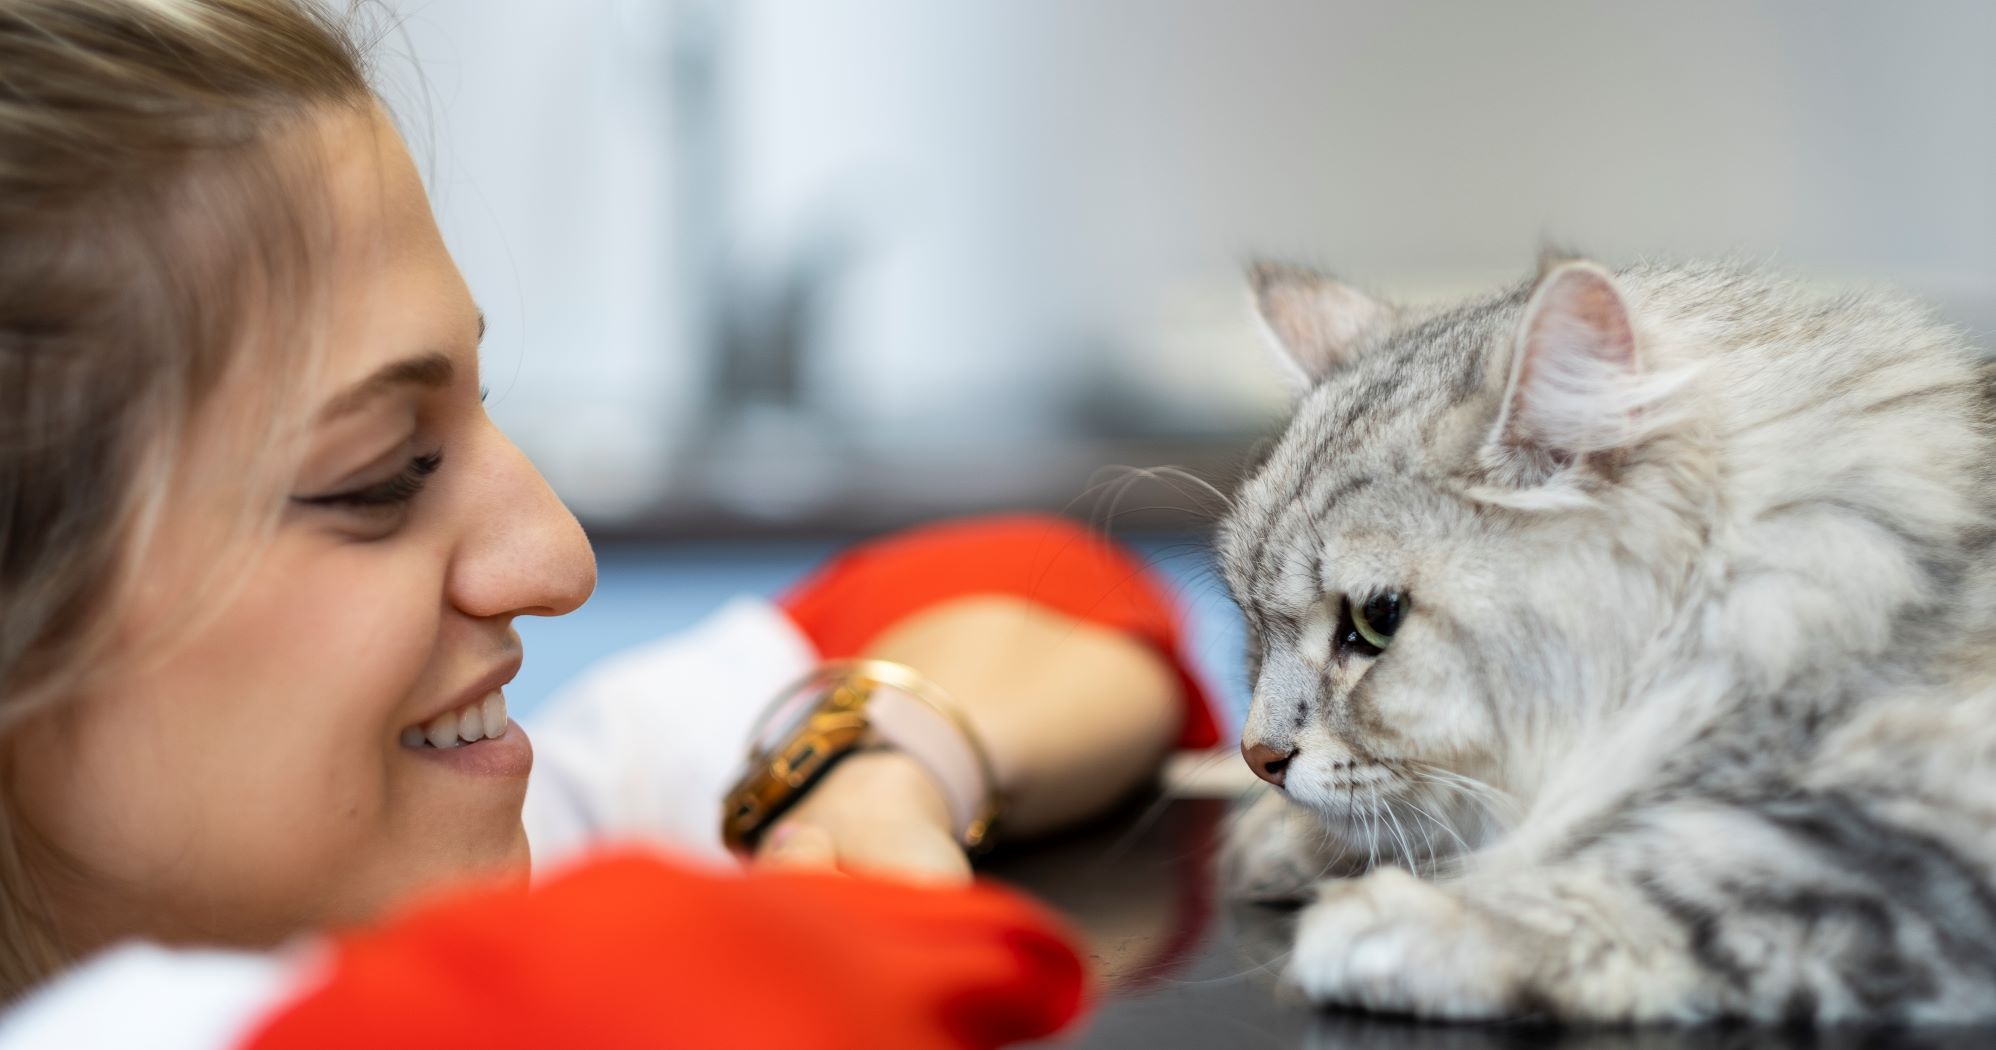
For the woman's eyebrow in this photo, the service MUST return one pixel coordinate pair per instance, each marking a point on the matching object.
(428, 370)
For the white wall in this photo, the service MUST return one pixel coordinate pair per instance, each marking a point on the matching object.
(1052, 191)
(545, 131)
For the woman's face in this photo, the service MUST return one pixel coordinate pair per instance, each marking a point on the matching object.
(276, 770)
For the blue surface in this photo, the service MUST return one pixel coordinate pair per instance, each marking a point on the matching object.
(645, 593)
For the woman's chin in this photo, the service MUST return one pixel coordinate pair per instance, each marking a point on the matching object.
(457, 825)
(502, 860)
(517, 864)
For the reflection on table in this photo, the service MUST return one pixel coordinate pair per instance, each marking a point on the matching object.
(1179, 967)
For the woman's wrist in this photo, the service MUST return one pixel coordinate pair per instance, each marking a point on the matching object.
(892, 782)
(1073, 715)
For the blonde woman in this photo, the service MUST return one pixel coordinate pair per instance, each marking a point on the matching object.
(261, 552)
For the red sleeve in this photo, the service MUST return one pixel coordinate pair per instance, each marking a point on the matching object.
(630, 951)
(1047, 560)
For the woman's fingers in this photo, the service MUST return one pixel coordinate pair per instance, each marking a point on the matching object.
(795, 845)
(879, 813)
(857, 845)
(910, 851)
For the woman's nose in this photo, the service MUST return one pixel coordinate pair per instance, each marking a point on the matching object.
(1268, 763)
(523, 553)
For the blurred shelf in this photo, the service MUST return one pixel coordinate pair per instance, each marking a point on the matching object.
(856, 494)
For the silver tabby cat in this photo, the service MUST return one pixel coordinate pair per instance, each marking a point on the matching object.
(1646, 618)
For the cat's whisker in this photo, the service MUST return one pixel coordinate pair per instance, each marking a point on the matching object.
(1442, 824)
(1490, 796)
(1474, 792)
(1168, 473)
(1156, 808)
(1264, 966)
(1384, 815)
(1427, 854)
(1393, 824)
(1428, 851)
(1371, 830)
(1108, 493)
(1440, 858)
(1117, 482)
(1481, 813)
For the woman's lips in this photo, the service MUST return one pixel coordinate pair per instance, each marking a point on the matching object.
(476, 738)
(484, 716)
(510, 754)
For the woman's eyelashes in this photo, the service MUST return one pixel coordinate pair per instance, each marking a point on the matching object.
(387, 494)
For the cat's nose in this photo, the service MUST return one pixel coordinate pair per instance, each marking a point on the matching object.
(1267, 762)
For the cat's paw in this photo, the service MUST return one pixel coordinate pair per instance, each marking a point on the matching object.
(1275, 852)
(1392, 943)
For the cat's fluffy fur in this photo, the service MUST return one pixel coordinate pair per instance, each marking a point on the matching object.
(1700, 579)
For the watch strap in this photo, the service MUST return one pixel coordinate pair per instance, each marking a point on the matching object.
(915, 727)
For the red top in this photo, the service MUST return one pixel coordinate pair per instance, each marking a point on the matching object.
(1047, 560)
(630, 952)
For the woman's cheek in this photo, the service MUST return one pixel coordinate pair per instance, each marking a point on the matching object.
(277, 726)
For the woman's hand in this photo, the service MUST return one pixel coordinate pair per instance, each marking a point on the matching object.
(876, 812)
(1073, 715)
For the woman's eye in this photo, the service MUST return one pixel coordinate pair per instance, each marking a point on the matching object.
(1374, 620)
(387, 493)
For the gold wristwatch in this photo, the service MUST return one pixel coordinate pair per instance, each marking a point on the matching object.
(849, 706)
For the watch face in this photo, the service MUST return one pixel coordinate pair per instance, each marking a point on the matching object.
(803, 734)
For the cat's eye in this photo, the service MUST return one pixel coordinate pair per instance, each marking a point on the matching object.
(1374, 619)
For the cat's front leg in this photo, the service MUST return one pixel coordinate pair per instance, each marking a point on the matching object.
(1523, 947)
(1392, 943)
(1819, 906)
(1276, 852)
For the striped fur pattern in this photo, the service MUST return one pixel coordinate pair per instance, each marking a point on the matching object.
(1692, 711)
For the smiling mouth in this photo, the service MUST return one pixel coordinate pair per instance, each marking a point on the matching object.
(482, 719)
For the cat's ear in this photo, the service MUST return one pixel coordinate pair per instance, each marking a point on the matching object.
(1575, 372)
(1315, 323)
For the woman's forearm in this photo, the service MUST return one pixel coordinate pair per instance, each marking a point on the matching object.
(1059, 646)
(1074, 715)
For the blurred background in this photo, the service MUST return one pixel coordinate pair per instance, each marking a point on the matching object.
(765, 275)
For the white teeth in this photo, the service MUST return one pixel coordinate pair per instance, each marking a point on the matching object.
(442, 730)
(482, 719)
(493, 710)
(470, 724)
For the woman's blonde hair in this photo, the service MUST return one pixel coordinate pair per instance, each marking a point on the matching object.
(146, 221)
